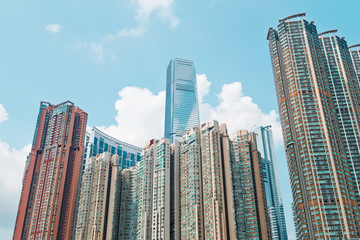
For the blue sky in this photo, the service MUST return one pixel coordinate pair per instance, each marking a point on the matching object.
(109, 57)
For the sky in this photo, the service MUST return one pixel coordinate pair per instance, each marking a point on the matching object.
(110, 57)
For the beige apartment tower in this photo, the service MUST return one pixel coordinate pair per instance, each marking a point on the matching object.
(99, 199)
(191, 202)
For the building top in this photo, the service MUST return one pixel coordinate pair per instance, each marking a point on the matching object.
(66, 103)
(354, 46)
(293, 16)
(95, 129)
(183, 60)
(211, 124)
(328, 32)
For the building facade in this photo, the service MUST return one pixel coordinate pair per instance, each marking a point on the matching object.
(97, 142)
(156, 176)
(265, 145)
(99, 199)
(325, 198)
(248, 192)
(52, 172)
(213, 182)
(182, 106)
(128, 206)
(345, 90)
(191, 201)
(145, 191)
(355, 56)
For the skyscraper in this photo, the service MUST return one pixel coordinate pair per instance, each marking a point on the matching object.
(213, 182)
(265, 145)
(128, 206)
(355, 55)
(324, 194)
(51, 177)
(191, 201)
(249, 207)
(100, 199)
(182, 106)
(156, 191)
(345, 90)
(145, 191)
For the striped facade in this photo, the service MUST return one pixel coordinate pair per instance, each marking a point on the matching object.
(324, 195)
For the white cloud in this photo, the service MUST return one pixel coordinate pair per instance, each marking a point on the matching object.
(140, 116)
(54, 28)
(145, 11)
(162, 8)
(12, 163)
(140, 113)
(239, 112)
(3, 113)
(203, 86)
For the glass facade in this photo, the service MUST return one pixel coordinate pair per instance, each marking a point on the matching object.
(97, 142)
(182, 107)
(265, 145)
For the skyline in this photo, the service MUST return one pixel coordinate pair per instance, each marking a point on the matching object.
(101, 110)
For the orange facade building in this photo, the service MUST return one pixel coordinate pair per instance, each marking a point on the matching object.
(52, 171)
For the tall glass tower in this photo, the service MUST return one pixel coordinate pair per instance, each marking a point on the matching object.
(265, 145)
(182, 106)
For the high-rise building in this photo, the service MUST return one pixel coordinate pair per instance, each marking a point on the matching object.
(250, 213)
(355, 56)
(128, 206)
(97, 142)
(324, 194)
(51, 177)
(182, 106)
(265, 145)
(99, 199)
(191, 201)
(213, 182)
(345, 90)
(145, 191)
(157, 192)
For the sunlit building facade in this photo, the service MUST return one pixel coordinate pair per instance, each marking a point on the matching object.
(324, 195)
(98, 216)
(52, 173)
(191, 202)
(182, 106)
(213, 182)
(345, 90)
(156, 191)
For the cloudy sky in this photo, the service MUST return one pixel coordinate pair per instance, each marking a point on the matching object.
(109, 57)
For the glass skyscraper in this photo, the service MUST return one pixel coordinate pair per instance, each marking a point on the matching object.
(265, 145)
(182, 107)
